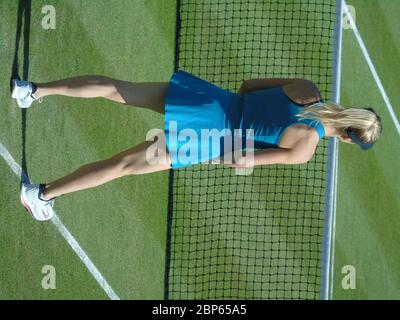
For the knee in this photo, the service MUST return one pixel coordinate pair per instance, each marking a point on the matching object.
(126, 166)
(104, 86)
(98, 80)
(100, 83)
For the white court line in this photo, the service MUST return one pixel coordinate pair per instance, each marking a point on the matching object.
(372, 68)
(16, 168)
(334, 219)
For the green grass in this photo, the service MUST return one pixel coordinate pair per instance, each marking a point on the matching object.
(122, 234)
(368, 208)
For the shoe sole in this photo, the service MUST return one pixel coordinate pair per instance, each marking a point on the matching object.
(14, 89)
(25, 203)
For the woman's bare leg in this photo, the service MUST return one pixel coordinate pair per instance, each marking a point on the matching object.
(150, 95)
(136, 160)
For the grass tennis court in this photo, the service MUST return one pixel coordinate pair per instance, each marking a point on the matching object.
(122, 225)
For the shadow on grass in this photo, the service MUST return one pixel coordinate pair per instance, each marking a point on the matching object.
(23, 29)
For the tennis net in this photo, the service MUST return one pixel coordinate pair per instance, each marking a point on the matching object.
(256, 236)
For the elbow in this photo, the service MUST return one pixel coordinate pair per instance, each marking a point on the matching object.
(304, 159)
(244, 87)
(248, 86)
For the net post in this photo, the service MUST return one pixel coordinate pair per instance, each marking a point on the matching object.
(331, 179)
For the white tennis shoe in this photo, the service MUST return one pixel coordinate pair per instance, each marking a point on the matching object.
(22, 92)
(39, 209)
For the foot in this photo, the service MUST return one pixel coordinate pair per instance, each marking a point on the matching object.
(23, 92)
(39, 208)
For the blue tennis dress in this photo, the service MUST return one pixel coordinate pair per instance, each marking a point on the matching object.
(200, 117)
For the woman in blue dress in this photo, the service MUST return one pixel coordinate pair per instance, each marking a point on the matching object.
(273, 121)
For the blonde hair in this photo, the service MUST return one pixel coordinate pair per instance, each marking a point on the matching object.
(365, 122)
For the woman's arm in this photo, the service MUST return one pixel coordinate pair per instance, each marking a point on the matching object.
(300, 91)
(262, 157)
(259, 84)
(302, 152)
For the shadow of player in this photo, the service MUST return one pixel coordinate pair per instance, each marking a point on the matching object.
(23, 29)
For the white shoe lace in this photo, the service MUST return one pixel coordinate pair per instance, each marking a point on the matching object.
(36, 99)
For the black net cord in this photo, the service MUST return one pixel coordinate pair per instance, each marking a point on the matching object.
(169, 227)
(171, 172)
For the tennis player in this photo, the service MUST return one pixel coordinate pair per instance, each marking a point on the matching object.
(287, 118)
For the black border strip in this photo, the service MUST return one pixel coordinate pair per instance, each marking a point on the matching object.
(171, 171)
